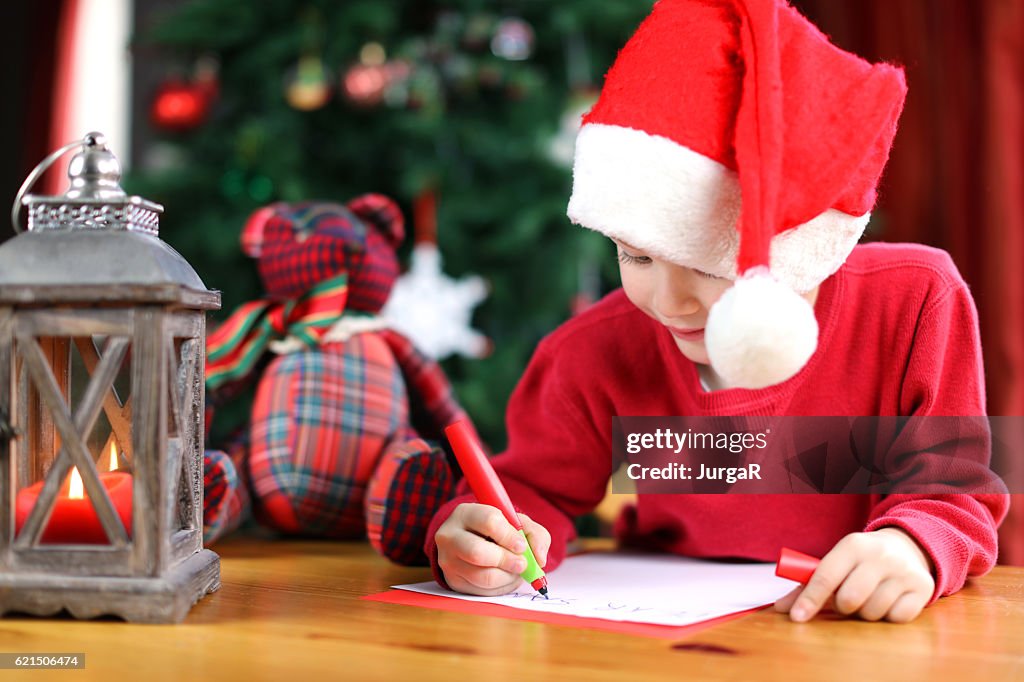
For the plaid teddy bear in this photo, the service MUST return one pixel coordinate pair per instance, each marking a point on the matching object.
(337, 443)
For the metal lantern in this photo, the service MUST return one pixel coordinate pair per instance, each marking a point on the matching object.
(102, 352)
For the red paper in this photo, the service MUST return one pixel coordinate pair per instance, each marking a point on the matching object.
(431, 601)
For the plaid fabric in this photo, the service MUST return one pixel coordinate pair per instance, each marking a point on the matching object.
(432, 402)
(375, 269)
(305, 243)
(328, 419)
(225, 500)
(413, 479)
(334, 447)
(236, 346)
(383, 213)
(411, 483)
(320, 421)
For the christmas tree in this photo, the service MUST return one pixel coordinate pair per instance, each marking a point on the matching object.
(471, 102)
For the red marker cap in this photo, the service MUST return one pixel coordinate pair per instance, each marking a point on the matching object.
(794, 565)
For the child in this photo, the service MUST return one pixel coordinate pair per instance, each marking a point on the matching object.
(707, 102)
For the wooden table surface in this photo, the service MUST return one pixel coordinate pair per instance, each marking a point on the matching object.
(291, 611)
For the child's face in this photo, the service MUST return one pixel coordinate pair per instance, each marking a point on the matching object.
(676, 296)
(673, 295)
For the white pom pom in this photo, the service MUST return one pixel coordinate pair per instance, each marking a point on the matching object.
(760, 332)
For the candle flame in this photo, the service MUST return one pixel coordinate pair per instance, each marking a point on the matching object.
(113, 456)
(76, 490)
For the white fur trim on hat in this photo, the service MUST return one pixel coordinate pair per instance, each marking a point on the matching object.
(681, 206)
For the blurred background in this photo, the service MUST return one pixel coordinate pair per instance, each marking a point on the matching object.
(465, 112)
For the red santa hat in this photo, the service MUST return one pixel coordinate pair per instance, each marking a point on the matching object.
(711, 101)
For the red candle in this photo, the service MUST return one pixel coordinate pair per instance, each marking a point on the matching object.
(74, 519)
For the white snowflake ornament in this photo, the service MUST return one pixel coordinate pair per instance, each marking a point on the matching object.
(434, 310)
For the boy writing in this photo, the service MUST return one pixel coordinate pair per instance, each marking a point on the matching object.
(707, 103)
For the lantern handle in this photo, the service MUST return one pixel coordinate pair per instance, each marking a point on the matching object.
(89, 140)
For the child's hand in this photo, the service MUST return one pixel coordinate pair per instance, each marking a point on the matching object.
(480, 552)
(882, 574)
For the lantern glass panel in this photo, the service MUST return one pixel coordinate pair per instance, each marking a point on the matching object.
(182, 417)
(74, 409)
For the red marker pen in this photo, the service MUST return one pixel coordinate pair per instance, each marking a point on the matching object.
(484, 483)
(797, 566)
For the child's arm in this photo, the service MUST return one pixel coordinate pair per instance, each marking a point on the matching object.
(556, 467)
(918, 548)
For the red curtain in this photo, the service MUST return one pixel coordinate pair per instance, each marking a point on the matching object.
(956, 175)
(28, 54)
(61, 132)
(46, 68)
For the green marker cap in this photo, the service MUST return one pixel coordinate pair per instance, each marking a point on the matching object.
(533, 569)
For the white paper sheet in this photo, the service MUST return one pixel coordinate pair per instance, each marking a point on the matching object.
(641, 588)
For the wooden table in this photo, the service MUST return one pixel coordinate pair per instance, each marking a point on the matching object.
(290, 611)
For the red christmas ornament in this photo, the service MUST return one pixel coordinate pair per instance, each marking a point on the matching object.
(364, 85)
(181, 106)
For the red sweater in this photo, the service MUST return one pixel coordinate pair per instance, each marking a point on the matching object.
(898, 337)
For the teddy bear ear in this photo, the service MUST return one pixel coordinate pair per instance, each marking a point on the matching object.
(383, 213)
(255, 228)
